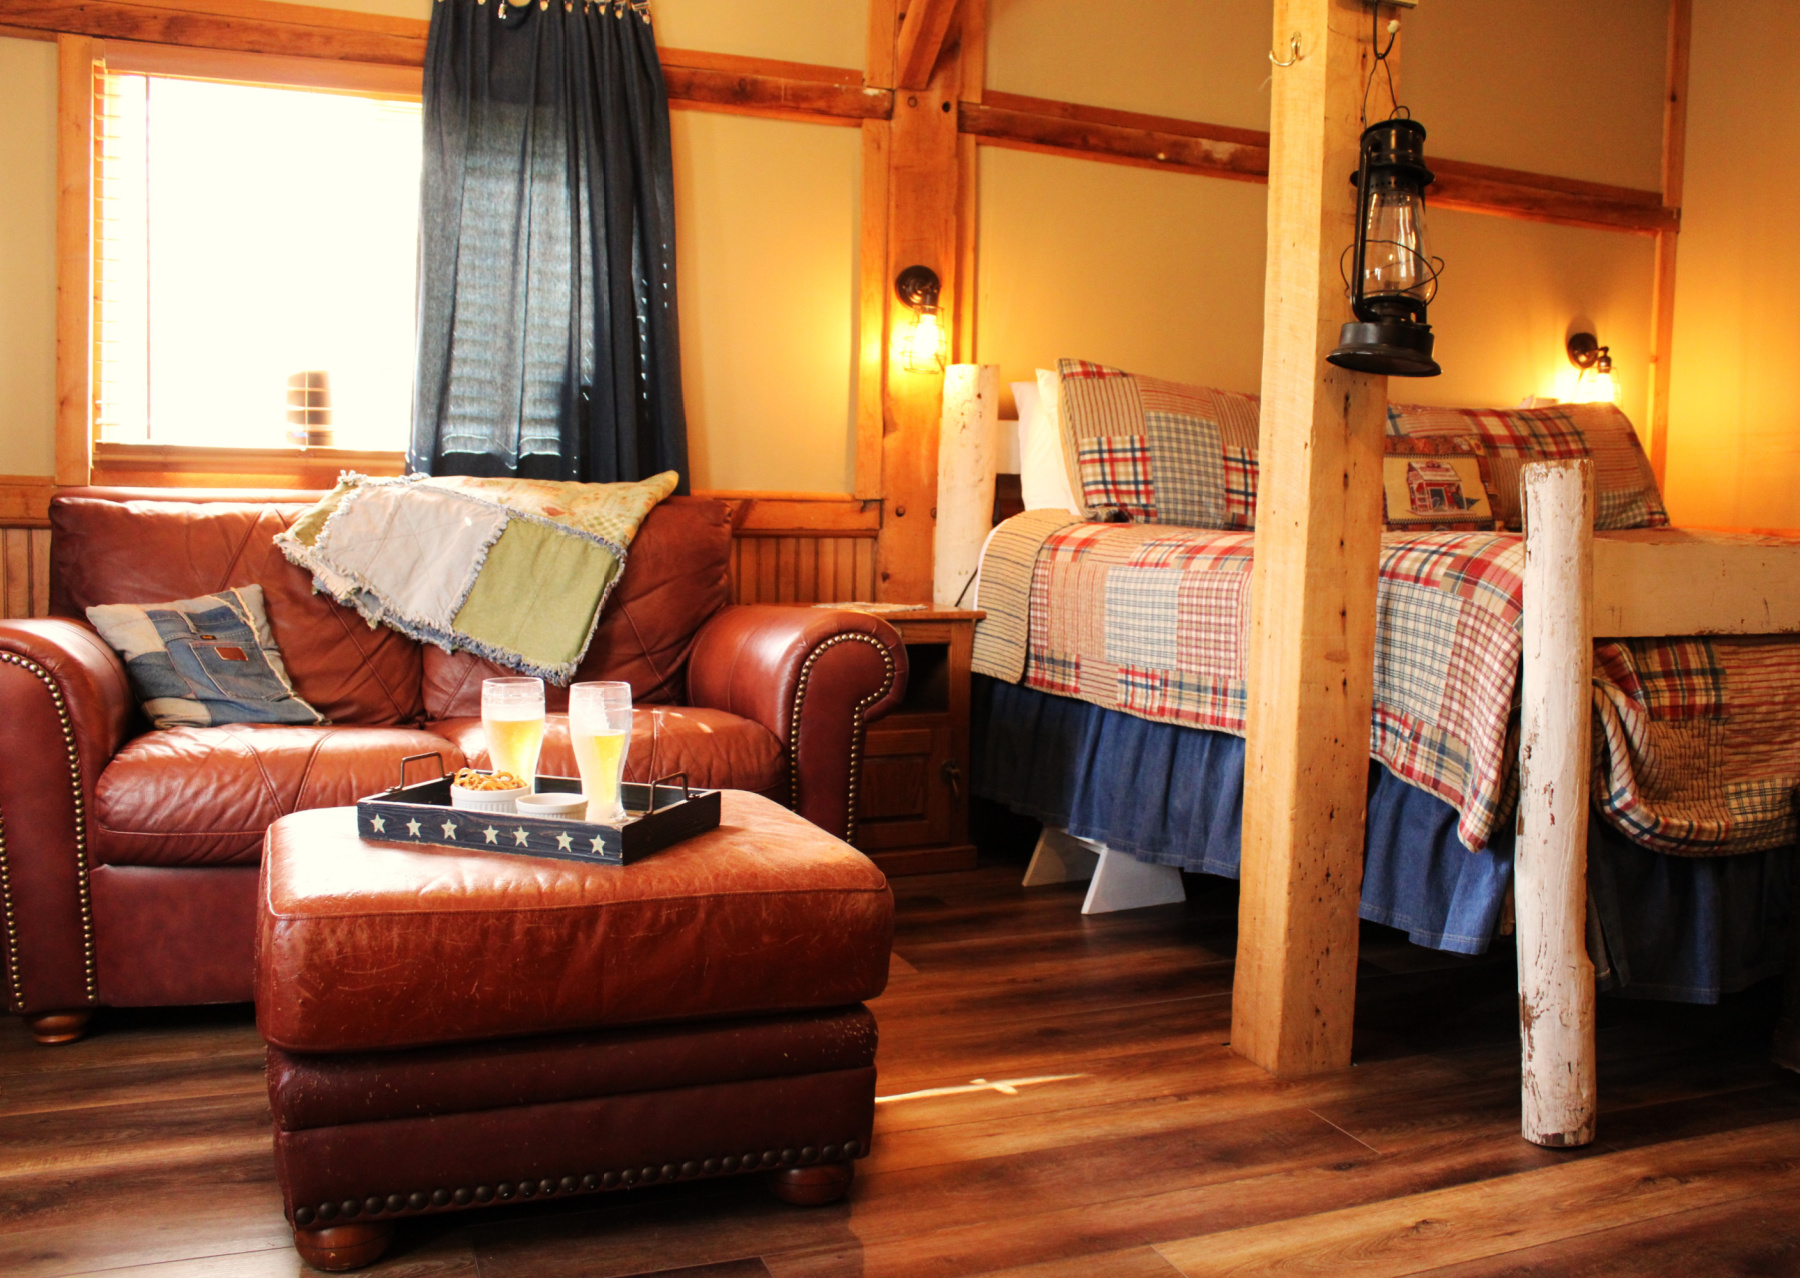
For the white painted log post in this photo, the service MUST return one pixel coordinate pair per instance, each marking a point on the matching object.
(967, 458)
(1556, 979)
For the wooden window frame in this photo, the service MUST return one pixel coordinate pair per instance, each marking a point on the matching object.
(80, 457)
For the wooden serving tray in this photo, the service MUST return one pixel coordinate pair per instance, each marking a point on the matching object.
(659, 814)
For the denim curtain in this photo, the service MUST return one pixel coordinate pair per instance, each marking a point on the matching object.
(547, 328)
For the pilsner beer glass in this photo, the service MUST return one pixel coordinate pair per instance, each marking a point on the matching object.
(600, 732)
(512, 715)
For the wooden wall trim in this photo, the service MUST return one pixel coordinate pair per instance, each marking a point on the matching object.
(1189, 146)
(706, 81)
(772, 514)
(245, 26)
(25, 500)
(74, 256)
(1674, 168)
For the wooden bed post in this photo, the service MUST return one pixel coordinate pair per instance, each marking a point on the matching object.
(1556, 979)
(1318, 546)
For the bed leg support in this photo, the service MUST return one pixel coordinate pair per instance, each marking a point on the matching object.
(1556, 978)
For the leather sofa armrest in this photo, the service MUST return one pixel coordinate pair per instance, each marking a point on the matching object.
(812, 676)
(67, 707)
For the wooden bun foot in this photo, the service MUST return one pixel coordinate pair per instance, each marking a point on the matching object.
(338, 1247)
(58, 1027)
(812, 1186)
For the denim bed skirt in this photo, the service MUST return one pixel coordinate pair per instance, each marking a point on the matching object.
(1681, 928)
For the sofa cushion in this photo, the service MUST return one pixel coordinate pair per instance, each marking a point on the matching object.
(108, 548)
(677, 575)
(204, 796)
(368, 946)
(718, 750)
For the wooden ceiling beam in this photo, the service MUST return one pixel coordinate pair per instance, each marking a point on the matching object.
(1212, 150)
(922, 34)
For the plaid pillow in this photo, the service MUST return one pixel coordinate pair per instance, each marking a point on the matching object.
(1625, 493)
(1440, 483)
(203, 662)
(1157, 452)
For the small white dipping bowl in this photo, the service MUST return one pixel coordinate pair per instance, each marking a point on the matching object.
(558, 803)
(497, 801)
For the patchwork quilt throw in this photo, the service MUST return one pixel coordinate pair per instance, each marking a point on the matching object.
(514, 570)
(1697, 747)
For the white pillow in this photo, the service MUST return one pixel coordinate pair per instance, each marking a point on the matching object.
(1043, 474)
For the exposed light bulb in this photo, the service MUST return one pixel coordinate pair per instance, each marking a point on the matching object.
(924, 348)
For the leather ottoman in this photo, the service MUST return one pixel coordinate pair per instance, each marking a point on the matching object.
(449, 1030)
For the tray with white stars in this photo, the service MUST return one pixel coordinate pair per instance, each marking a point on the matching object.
(656, 815)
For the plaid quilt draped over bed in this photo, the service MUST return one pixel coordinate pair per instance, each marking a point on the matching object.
(1697, 744)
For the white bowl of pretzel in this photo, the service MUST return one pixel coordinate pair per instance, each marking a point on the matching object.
(496, 792)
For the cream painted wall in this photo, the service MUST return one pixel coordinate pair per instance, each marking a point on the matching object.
(1734, 410)
(1160, 273)
(1541, 85)
(766, 217)
(1198, 61)
(27, 257)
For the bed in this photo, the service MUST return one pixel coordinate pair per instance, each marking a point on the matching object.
(1114, 647)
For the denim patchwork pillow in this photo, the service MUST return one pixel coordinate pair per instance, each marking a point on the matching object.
(203, 662)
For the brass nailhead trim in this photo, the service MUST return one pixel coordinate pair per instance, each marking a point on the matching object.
(856, 724)
(90, 973)
(419, 1200)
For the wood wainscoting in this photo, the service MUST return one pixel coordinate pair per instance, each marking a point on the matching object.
(801, 548)
(24, 571)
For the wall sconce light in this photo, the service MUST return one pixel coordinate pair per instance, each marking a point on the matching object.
(922, 349)
(1595, 383)
(1394, 277)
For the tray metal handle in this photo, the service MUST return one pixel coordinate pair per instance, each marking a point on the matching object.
(414, 758)
(685, 794)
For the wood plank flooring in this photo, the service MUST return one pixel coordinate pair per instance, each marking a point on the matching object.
(1063, 1101)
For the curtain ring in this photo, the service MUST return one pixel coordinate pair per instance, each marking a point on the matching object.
(1294, 54)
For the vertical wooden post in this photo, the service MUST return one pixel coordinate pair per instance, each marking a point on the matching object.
(1556, 980)
(968, 443)
(1674, 164)
(921, 231)
(1318, 545)
(74, 257)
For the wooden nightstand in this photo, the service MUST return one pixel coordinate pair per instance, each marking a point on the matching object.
(913, 796)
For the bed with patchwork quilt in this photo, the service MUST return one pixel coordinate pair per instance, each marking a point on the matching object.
(1111, 690)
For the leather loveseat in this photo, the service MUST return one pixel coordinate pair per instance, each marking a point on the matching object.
(129, 855)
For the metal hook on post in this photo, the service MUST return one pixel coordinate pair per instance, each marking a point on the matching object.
(1294, 54)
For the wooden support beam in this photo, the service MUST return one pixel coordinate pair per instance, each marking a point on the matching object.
(1318, 544)
(755, 86)
(247, 26)
(1123, 137)
(922, 206)
(1211, 150)
(1694, 581)
(1556, 980)
(922, 35)
(1674, 167)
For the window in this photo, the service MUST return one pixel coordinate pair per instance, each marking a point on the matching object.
(247, 237)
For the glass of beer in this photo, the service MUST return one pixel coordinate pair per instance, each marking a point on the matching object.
(600, 732)
(512, 715)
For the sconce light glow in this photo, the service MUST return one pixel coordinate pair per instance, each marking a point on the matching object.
(922, 349)
(1594, 381)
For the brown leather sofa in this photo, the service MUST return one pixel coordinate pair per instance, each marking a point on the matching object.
(128, 856)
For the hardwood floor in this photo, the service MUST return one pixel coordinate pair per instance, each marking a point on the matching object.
(1061, 1100)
